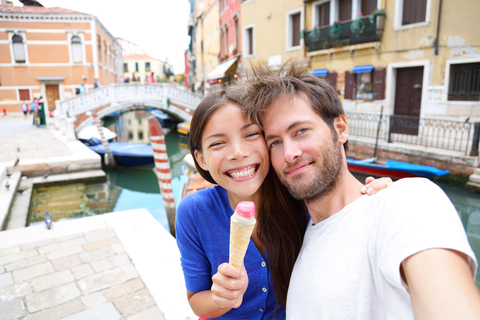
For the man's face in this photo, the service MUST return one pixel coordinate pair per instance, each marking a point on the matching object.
(305, 152)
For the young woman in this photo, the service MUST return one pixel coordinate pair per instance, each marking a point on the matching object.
(230, 151)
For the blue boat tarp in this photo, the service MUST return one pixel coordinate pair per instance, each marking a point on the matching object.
(128, 154)
(415, 169)
(363, 68)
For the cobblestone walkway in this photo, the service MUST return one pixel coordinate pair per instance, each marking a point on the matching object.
(83, 276)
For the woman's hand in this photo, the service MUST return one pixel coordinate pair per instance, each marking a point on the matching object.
(229, 286)
(373, 185)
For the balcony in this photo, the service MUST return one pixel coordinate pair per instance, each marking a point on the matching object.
(340, 34)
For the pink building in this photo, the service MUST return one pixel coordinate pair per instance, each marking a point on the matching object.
(230, 29)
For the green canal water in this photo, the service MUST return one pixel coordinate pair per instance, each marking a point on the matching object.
(127, 189)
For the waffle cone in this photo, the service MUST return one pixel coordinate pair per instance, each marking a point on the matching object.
(239, 240)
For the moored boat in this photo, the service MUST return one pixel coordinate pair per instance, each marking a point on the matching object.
(393, 169)
(130, 155)
(183, 128)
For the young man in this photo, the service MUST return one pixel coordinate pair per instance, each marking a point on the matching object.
(402, 254)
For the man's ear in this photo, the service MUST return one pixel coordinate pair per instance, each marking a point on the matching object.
(341, 126)
(200, 160)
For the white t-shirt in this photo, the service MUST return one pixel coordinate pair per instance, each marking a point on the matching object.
(349, 264)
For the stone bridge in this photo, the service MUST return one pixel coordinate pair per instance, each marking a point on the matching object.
(75, 113)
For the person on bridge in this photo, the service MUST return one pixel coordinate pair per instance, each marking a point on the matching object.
(230, 150)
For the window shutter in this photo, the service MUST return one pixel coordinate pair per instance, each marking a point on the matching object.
(323, 14)
(24, 94)
(368, 6)
(414, 11)
(332, 78)
(345, 10)
(295, 29)
(349, 85)
(379, 84)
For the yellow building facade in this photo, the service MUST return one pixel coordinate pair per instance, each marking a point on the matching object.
(414, 57)
(271, 31)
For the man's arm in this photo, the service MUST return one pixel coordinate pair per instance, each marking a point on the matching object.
(441, 285)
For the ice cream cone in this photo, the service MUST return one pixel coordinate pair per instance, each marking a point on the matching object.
(241, 227)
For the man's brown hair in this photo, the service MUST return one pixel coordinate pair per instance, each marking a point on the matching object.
(264, 86)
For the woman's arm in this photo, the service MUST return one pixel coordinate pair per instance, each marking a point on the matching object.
(229, 286)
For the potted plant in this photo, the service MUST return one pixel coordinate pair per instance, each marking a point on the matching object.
(337, 29)
(375, 13)
(358, 26)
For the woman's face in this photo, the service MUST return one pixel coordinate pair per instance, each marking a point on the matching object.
(234, 152)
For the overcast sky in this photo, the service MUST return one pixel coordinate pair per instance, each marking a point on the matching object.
(159, 27)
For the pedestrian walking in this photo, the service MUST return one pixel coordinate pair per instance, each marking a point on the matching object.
(25, 110)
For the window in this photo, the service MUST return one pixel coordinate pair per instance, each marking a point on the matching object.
(414, 11)
(365, 83)
(322, 14)
(249, 41)
(125, 67)
(99, 41)
(363, 90)
(147, 66)
(368, 6)
(226, 42)
(464, 82)
(136, 66)
(24, 94)
(294, 23)
(77, 56)
(106, 56)
(18, 48)
(345, 10)
(235, 22)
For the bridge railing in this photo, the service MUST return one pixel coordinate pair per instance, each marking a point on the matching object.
(123, 92)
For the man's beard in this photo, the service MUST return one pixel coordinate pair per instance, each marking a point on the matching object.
(302, 187)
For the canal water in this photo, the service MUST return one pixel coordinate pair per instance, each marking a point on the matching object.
(127, 189)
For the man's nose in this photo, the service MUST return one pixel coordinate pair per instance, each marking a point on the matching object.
(291, 151)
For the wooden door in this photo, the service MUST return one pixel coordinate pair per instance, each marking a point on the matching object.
(52, 95)
(408, 100)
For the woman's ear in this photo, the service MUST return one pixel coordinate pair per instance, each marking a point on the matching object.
(200, 160)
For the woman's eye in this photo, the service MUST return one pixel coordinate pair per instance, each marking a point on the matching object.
(253, 134)
(215, 144)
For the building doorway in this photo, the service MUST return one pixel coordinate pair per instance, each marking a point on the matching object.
(408, 100)
(52, 95)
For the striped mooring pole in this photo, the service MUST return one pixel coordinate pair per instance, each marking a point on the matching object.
(157, 140)
(108, 157)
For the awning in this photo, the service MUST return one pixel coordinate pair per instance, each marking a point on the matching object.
(363, 68)
(221, 69)
(320, 72)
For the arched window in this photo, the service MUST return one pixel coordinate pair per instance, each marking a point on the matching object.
(77, 56)
(18, 48)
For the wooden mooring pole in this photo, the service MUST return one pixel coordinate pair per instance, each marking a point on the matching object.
(157, 140)
(108, 157)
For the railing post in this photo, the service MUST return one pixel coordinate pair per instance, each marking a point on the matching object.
(476, 139)
(390, 128)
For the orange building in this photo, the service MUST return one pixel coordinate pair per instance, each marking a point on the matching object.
(50, 52)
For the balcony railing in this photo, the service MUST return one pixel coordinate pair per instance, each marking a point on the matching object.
(442, 134)
(360, 30)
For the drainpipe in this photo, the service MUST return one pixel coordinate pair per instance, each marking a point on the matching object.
(304, 27)
(438, 27)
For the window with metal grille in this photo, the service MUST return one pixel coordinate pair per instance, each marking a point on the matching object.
(76, 43)
(147, 66)
(464, 82)
(18, 48)
(125, 67)
(414, 11)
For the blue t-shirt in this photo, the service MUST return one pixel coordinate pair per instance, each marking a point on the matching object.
(203, 236)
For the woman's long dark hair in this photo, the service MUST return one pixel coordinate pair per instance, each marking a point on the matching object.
(282, 220)
(281, 225)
